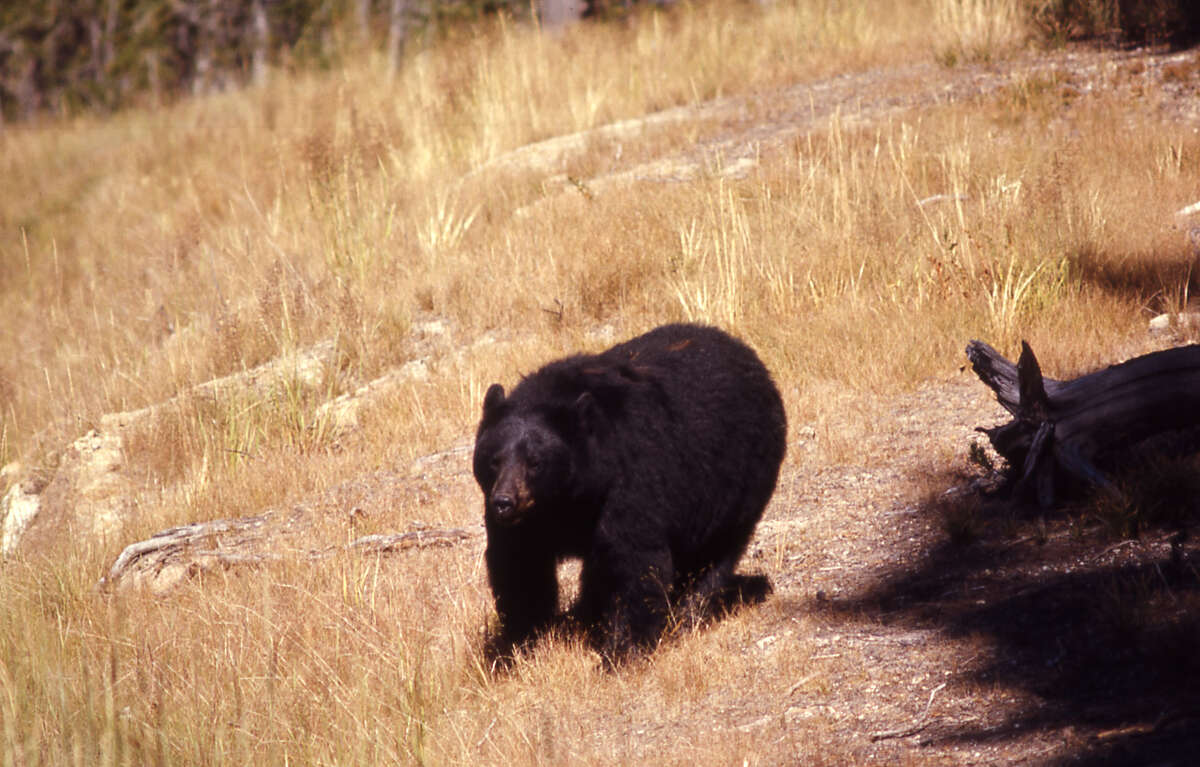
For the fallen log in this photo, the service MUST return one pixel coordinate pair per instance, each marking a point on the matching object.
(251, 541)
(1071, 429)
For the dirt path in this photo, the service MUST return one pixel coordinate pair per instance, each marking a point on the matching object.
(741, 129)
(1031, 640)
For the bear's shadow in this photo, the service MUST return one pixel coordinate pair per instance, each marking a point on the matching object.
(567, 625)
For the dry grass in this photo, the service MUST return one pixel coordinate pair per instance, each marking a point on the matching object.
(979, 30)
(146, 253)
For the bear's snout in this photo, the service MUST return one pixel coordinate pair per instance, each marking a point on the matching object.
(507, 509)
(510, 499)
(504, 507)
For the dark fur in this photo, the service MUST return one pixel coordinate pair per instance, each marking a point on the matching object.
(652, 461)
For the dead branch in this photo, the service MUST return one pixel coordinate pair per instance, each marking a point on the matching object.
(387, 544)
(1167, 719)
(240, 542)
(175, 539)
(1062, 428)
(923, 721)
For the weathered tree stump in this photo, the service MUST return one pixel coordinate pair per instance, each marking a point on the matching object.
(1062, 429)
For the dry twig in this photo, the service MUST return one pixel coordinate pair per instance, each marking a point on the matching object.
(922, 722)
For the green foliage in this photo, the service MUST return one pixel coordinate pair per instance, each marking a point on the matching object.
(1176, 21)
(961, 517)
(977, 454)
(59, 57)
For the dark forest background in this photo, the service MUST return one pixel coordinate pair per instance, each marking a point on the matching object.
(57, 56)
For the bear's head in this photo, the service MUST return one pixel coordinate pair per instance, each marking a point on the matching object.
(527, 456)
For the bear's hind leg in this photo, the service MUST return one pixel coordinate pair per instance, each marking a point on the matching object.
(627, 598)
(718, 590)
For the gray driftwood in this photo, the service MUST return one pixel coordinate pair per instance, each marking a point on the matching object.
(1065, 428)
(227, 543)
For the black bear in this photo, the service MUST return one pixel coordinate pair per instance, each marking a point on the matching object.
(652, 461)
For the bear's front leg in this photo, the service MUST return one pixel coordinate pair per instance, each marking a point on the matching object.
(624, 595)
(525, 587)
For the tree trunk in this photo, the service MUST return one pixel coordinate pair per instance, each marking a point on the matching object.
(108, 54)
(396, 32)
(362, 19)
(1065, 428)
(557, 13)
(260, 41)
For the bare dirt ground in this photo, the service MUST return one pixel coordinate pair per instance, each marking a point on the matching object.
(940, 625)
(1037, 640)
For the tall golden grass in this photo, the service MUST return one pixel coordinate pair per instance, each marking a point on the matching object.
(148, 252)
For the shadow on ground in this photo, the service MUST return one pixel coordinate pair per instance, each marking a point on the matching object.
(1104, 634)
(1160, 278)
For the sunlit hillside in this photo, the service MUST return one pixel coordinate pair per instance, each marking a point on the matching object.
(508, 195)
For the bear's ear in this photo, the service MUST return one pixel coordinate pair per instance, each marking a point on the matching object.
(587, 410)
(493, 398)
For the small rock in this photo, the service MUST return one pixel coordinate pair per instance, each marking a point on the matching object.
(1166, 323)
(754, 725)
(17, 509)
(434, 327)
(739, 168)
(1189, 210)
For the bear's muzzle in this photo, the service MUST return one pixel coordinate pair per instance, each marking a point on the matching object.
(510, 500)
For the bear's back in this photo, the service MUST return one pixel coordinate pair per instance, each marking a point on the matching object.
(705, 375)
